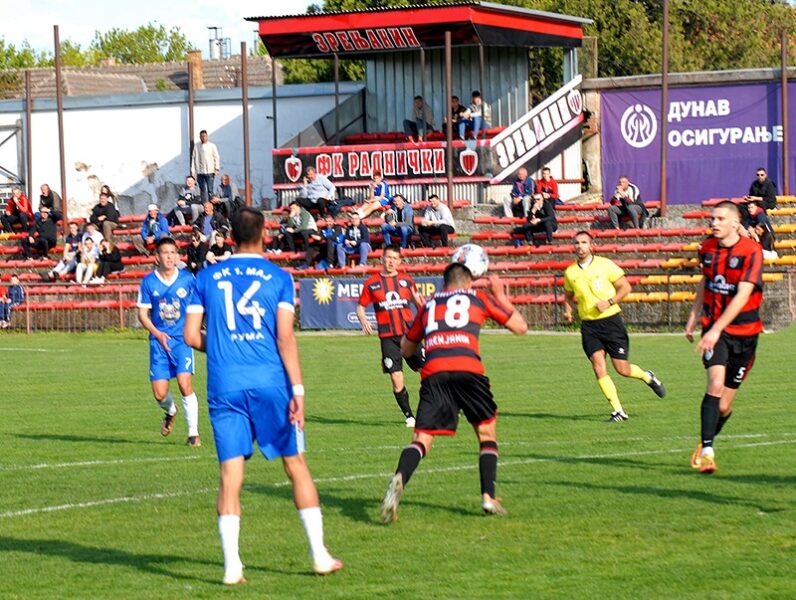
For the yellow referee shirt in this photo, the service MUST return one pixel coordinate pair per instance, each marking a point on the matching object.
(591, 284)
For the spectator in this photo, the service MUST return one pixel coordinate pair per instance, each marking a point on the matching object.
(763, 191)
(92, 232)
(192, 199)
(219, 251)
(548, 188)
(398, 220)
(328, 237)
(105, 189)
(519, 200)
(110, 261)
(316, 192)
(210, 221)
(105, 216)
(51, 200)
(379, 196)
(479, 115)
(87, 266)
(197, 253)
(228, 196)
(41, 237)
(420, 121)
(14, 296)
(459, 113)
(626, 201)
(356, 238)
(18, 210)
(155, 226)
(68, 261)
(300, 224)
(437, 220)
(541, 219)
(758, 227)
(205, 165)
(181, 214)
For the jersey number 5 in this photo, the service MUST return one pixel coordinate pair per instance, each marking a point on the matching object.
(457, 313)
(245, 306)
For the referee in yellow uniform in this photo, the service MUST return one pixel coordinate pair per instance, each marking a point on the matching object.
(598, 285)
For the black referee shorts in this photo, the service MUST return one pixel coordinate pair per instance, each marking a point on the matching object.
(443, 395)
(607, 334)
(391, 359)
(736, 353)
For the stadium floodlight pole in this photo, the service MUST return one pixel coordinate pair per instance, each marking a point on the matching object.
(244, 96)
(664, 104)
(449, 104)
(190, 116)
(336, 98)
(785, 124)
(273, 99)
(59, 100)
(28, 132)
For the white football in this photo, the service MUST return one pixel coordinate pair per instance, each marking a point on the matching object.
(473, 257)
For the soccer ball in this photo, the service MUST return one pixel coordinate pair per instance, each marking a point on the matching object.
(473, 257)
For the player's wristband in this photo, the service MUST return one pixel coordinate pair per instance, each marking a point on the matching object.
(298, 390)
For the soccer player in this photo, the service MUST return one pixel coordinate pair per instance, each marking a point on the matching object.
(254, 385)
(598, 285)
(162, 300)
(728, 299)
(452, 379)
(392, 294)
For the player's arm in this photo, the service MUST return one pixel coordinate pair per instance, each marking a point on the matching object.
(288, 351)
(146, 323)
(412, 338)
(708, 341)
(569, 302)
(622, 287)
(192, 331)
(408, 347)
(367, 328)
(516, 323)
(696, 310)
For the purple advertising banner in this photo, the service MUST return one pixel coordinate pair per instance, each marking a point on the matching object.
(718, 136)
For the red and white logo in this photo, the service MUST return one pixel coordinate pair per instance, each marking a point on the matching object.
(468, 159)
(293, 168)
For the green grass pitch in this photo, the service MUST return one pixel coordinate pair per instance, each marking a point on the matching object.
(94, 503)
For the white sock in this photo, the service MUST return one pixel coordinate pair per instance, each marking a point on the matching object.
(312, 520)
(191, 406)
(708, 451)
(229, 532)
(168, 404)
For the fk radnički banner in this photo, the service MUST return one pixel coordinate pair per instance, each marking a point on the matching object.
(718, 136)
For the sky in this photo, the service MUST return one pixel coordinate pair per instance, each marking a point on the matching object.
(79, 19)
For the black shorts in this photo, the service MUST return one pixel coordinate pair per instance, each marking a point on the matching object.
(391, 359)
(607, 334)
(443, 395)
(736, 353)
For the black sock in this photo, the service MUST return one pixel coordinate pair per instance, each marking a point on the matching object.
(402, 398)
(410, 458)
(722, 420)
(487, 465)
(710, 419)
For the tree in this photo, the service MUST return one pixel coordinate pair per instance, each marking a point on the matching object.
(148, 44)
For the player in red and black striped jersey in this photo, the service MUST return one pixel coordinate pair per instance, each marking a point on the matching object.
(728, 300)
(392, 295)
(453, 379)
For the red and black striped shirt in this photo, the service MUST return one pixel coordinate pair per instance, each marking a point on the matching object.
(449, 324)
(392, 301)
(722, 270)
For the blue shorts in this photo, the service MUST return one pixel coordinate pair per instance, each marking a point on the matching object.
(239, 418)
(167, 365)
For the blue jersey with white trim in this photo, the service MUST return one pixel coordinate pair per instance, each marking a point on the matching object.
(240, 298)
(167, 300)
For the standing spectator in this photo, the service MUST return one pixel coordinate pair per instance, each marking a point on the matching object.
(316, 192)
(155, 226)
(420, 121)
(479, 116)
(205, 165)
(379, 196)
(229, 196)
(763, 191)
(18, 210)
(356, 239)
(300, 225)
(399, 220)
(105, 216)
(626, 201)
(42, 236)
(89, 255)
(437, 220)
(51, 200)
(68, 262)
(541, 219)
(219, 250)
(197, 253)
(519, 200)
(548, 187)
(192, 198)
(110, 261)
(14, 296)
(210, 221)
(458, 114)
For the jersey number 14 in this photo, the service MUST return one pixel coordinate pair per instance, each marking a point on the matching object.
(245, 307)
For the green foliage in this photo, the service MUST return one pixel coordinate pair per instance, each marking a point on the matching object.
(15, 58)
(161, 85)
(149, 43)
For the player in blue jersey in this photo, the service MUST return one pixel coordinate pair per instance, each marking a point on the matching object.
(254, 385)
(162, 299)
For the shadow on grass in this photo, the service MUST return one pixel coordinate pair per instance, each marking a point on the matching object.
(545, 416)
(341, 421)
(65, 437)
(610, 461)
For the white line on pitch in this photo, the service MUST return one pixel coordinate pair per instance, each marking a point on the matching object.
(96, 463)
(4, 349)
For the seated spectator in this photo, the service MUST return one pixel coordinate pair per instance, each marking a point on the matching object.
(548, 187)
(757, 226)
(18, 211)
(356, 239)
(41, 237)
(398, 220)
(458, 115)
(763, 191)
(420, 121)
(155, 227)
(68, 262)
(209, 222)
(51, 200)
(181, 214)
(541, 219)
(626, 201)
(316, 192)
(519, 200)
(110, 261)
(105, 189)
(478, 117)
(228, 196)
(87, 265)
(105, 216)
(93, 233)
(437, 221)
(192, 197)
(13, 297)
(219, 250)
(378, 196)
(300, 224)
(197, 252)
(328, 237)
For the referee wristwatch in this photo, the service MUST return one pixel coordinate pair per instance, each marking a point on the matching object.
(611, 301)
